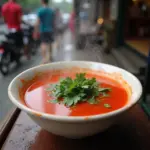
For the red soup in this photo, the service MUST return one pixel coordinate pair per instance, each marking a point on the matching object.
(35, 96)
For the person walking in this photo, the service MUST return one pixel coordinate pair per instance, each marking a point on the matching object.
(45, 23)
(12, 14)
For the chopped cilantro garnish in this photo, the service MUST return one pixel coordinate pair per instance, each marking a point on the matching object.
(81, 89)
(107, 105)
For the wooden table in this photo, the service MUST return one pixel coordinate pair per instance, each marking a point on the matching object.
(131, 133)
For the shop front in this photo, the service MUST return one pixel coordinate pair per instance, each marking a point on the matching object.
(135, 20)
(130, 19)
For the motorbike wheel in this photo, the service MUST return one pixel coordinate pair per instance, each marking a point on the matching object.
(5, 63)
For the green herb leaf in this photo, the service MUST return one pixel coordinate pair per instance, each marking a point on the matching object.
(70, 91)
(70, 103)
(54, 101)
(104, 90)
(105, 95)
(92, 101)
(76, 99)
(107, 105)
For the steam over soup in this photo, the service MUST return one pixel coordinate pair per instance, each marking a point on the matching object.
(73, 94)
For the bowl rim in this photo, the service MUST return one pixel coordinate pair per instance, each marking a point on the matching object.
(72, 118)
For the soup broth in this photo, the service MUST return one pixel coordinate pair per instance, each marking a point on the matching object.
(34, 95)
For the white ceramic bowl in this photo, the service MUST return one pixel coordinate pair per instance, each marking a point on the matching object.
(75, 127)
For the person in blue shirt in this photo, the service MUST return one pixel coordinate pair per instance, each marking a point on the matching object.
(45, 24)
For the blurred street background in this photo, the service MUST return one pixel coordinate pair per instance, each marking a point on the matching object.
(115, 32)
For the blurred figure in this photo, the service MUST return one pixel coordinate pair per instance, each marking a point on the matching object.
(72, 23)
(46, 23)
(12, 13)
(58, 27)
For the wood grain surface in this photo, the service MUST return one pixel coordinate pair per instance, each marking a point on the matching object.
(132, 132)
(7, 124)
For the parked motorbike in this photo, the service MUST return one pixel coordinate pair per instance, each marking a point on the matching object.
(10, 52)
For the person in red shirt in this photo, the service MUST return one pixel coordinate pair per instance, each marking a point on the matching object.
(12, 14)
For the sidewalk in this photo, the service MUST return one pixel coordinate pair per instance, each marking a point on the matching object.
(68, 52)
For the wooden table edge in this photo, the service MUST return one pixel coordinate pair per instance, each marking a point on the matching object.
(132, 131)
(7, 124)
